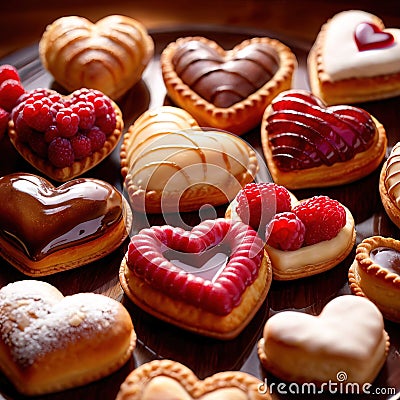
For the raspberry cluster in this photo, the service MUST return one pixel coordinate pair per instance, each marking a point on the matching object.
(11, 89)
(64, 130)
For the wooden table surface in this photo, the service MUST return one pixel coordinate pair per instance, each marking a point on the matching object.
(296, 23)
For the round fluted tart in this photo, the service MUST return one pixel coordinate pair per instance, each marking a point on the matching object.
(109, 55)
(375, 274)
(222, 89)
(46, 229)
(307, 144)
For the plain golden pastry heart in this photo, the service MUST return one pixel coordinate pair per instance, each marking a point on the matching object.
(109, 55)
(169, 380)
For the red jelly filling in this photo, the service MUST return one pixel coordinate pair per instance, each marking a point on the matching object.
(150, 249)
(304, 133)
(370, 37)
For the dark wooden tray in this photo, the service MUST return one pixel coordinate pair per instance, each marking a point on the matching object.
(159, 340)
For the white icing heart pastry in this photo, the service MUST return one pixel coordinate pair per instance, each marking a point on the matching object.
(50, 343)
(170, 164)
(354, 59)
(109, 55)
(348, 336)
(169, 380)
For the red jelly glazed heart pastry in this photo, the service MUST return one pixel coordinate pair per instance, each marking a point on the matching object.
(210, 280)
(63, 137)
(307, 144)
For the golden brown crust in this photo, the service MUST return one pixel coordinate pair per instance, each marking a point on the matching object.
(323, 176)
(109, 55)
(176, 378)
(78, 167)
(242, 116)
(194, 318)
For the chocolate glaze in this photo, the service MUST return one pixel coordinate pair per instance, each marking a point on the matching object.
(40, 219)
(387, 258)
(225, 82)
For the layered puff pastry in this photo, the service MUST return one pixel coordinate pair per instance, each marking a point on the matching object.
(226, 89)
(375, 274)
(169, 164)
(307, 144)
(50, 343)
(109, 55)
(355, 59)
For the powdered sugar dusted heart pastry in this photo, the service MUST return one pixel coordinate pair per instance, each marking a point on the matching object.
(223, 89)
(307, 144)
(354, 59)
(170, 164)
(375, 274)
(50, 343)
(167, 380)
(210, 280)
(44, 229)
(347, 337)
(109, 55)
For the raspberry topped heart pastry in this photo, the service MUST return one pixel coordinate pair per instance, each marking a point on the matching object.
(170, 380)
(44, 229)
(65, 136)
(307, 144)
(354, 59)
(210, 280)
(49, 343)
(109, 55)
(347, 337)
(303, 238)
(226, 89)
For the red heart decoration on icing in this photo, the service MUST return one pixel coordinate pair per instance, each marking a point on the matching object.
(304, 133)
(368, 36)
(219, 295)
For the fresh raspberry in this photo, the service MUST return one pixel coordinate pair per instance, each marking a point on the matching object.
(86, 114)
(38, 144)
(60, 152)
(10, 91)
(259, 202)
(24, 131)
(286, 232)
(323, 218)
(97, 138)
(51, 133)
(8, 72)
(38, 115)
(67, 122)
(4, 117)
(82, 146)
(107, 123)
(40, 93)
(102, 105)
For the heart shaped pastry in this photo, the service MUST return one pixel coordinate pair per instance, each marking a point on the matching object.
(307, 144)
(65, 136)
(346, 342)
(51, 343)
(170, 164)
(170, 380)
(226, 89)
(44, 229)
(216, 298)
(355, 59)
(109, 55)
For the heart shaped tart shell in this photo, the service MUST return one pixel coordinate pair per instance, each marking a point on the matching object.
(171, 165)
(348, 337)
(50, 343)
(218, 307)
(339, 73)
(109, 55)
(45, 230)
(375, 274)
(167, 380)
(229, 99)
(78, 167)
(307, 144)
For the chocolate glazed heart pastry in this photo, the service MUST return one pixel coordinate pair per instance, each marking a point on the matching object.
(226, 89)
(307, 144)
(44, 229)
